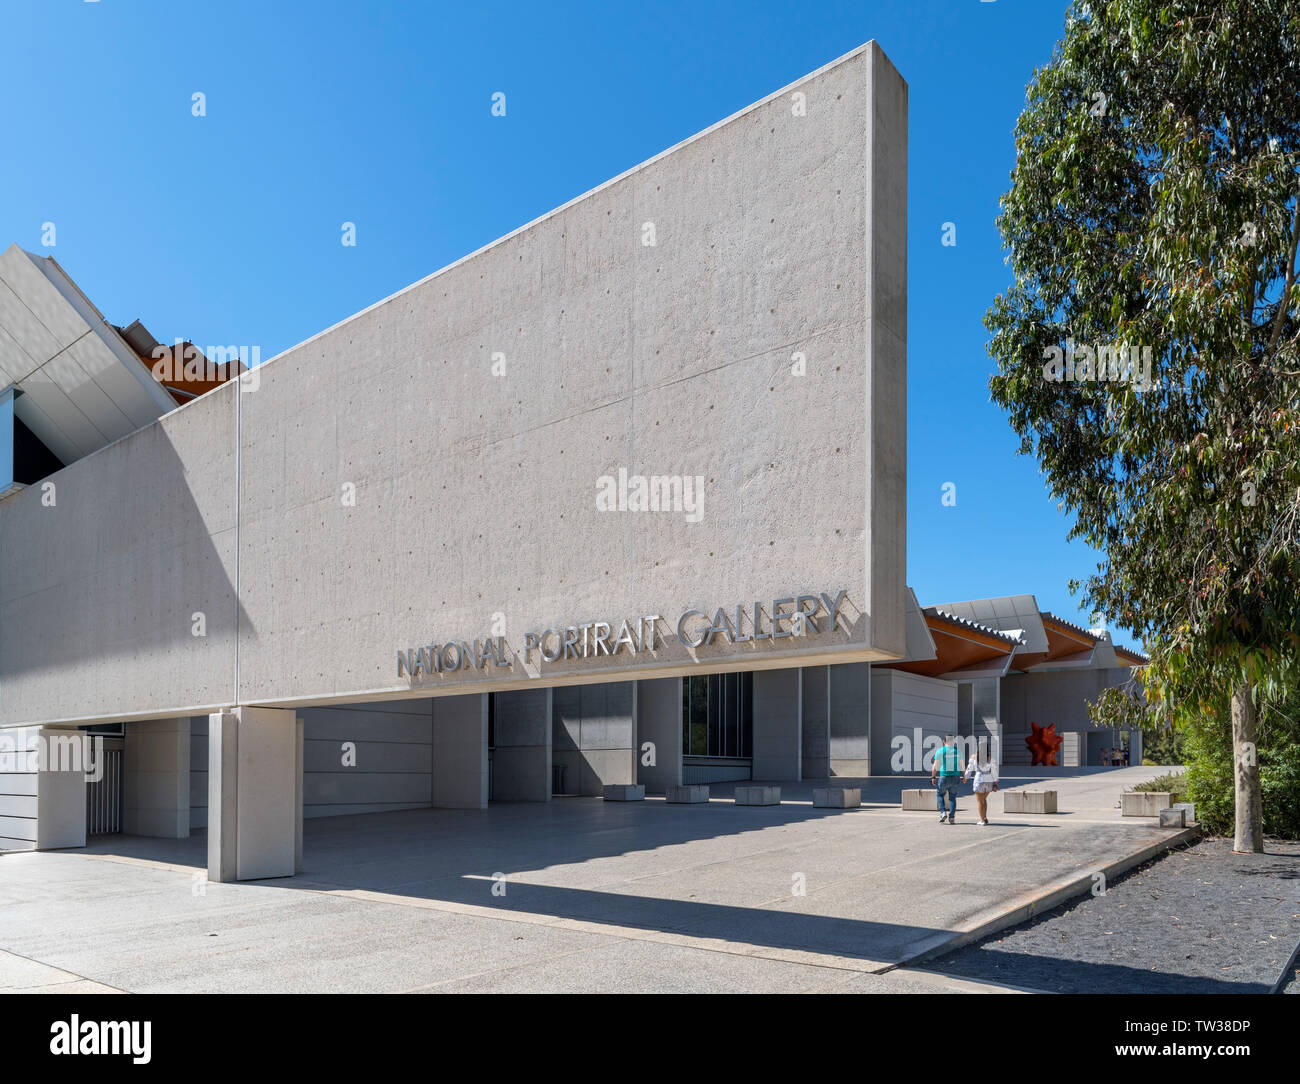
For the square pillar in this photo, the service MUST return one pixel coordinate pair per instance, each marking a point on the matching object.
(659, 724)
(460, 752)
(254, 794)
(850, 722)
(61, 764)
(815, 725)
(521, 760)
(156, 783)
(778, 740)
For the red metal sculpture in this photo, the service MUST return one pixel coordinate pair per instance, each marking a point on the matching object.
(1043, 744)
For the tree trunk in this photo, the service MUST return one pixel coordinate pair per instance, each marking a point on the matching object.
(1249, 835)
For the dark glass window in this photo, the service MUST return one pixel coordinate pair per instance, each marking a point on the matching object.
(718, 715)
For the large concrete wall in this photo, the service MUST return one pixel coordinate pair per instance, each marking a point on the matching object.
(117, 593)
(1052, 696)
(428, 469)
(903, 705)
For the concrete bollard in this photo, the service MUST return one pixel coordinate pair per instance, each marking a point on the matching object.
(758, 795)
(837, 797)
(1144, 803)
(624, 792)
(1189, 811)
(1173, 817)
(688, 794)
(1029, 801)
(920, 799)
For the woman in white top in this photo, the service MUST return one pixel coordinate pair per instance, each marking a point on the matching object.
(985, 771)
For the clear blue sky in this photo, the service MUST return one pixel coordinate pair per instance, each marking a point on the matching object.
(225, 228)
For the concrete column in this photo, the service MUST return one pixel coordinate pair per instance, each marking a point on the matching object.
(659, 721)
(521, 766)
(156, 783)
(460, 755)
(61, 789)
(254, 794)
(593, 735)
(814, 726)
(849, 719)
(777, 750)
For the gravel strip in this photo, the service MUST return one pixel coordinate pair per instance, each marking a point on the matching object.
(1198, 919)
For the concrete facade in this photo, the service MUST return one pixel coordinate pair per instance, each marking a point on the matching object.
(268, 587)
(270, 561)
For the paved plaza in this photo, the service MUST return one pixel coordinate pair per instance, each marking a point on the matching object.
(572, 895)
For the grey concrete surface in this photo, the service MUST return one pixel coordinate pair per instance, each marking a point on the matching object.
(428, 469)
(597, 896)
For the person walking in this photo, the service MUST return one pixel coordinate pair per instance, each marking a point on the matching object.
(985, 772)
(945, 774)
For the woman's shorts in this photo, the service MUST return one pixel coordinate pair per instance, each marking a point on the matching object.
(984, 788)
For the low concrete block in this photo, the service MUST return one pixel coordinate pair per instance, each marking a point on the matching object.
(689, 794)
(1144, 803)
(837, 797)
(758, 795)
(1173, 817)
(920, 799)
(1189, 811)
(1029, 801)
(624, 792)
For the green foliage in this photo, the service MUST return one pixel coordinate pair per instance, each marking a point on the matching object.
(1209, 771)
(1174, 784)
(1126, 707)
(1153, 204)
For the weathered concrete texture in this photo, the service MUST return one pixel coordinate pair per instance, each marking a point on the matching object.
(391, 467)
(156, 783)
(659, 722)
(594, 735)
(777, 739)
(521, 759)
(118, 599)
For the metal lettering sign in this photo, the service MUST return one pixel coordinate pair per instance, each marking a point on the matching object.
(797, 615)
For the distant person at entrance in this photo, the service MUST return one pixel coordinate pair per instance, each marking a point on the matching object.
(945, 773)
(985, 772)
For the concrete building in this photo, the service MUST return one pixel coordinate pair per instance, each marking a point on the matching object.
(618, 499)
(484, 529)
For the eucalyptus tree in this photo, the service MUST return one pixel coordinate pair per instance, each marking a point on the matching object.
(1153, 214)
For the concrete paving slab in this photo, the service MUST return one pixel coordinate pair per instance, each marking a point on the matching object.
(619, 896)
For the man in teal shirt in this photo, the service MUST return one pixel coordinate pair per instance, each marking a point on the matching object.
(946, 766)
